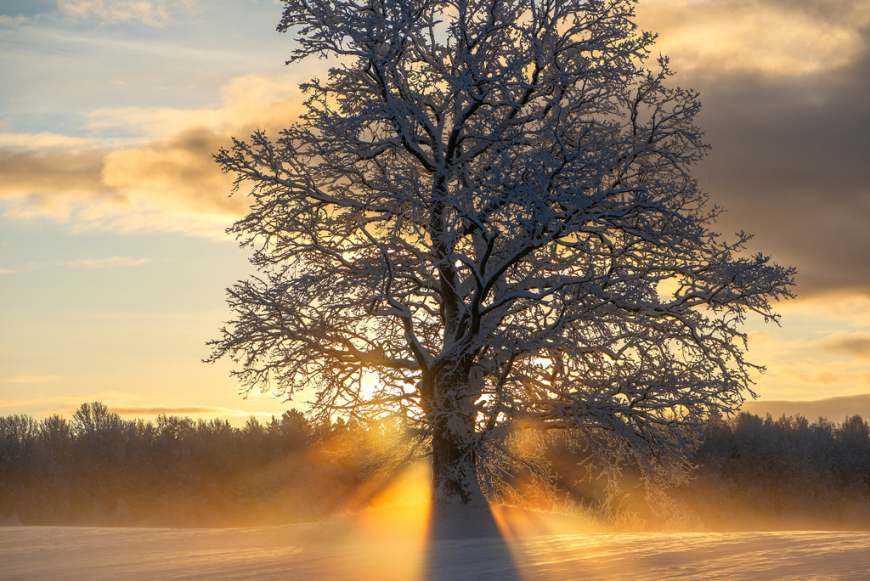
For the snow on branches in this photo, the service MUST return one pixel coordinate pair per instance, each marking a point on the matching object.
(480, 207)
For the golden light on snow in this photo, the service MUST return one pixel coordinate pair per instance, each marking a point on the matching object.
(395, 511)
(398, 505)
(516, 523)
(282, 553)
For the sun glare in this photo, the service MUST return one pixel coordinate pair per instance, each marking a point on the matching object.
(396, 505)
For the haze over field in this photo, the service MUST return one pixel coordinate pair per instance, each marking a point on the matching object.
(112, 257)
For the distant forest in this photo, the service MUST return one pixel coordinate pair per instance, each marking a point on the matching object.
(97, 469)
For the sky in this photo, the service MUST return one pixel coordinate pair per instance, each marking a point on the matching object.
(113, 257)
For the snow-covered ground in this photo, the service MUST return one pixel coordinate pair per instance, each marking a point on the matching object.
(325, 552)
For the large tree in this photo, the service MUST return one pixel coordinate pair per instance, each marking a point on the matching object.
(487, 207)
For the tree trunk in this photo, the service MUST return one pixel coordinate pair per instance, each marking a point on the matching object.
(459, 508)
(454, 470)
(454, 457)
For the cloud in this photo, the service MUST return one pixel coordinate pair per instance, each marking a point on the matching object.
(786, 93)
(832, 408)
(247, 102)
(804, 358)
(14, 21)
(168, 183)
(822, 377)
(766, 37)
(45, 141)
(6, 271)
(112, 262)
(177, 173)
(853, 309)
(785, 86)
(854, 344)
(146, 12)
(789, 163)
(137, 411)
(48, 182)
(34, 379)
(125, 406)
(169, 410)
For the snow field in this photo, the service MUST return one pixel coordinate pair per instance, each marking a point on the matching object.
(327, 552)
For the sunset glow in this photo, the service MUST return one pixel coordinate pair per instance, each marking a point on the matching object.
(113, 258)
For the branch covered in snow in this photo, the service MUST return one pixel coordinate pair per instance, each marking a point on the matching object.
(496, 190)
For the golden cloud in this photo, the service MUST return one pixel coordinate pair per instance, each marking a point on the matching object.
(177, 173)
(184, 410)
(125, 404)
(854, 344)
(840, 307)
(48, 182)
(165, 180)
(821, 377)
(767, 37)
(44, 140)
(168, 410)
(803, 357)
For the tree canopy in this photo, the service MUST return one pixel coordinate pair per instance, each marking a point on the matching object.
(487, 207)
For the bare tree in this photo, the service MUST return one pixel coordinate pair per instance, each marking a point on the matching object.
(482, 207)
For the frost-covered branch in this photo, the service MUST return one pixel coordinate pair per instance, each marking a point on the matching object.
(479, 212)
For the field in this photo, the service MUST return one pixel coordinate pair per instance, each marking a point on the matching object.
(329, 552)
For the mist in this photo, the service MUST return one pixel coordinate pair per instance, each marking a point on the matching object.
(95, 469)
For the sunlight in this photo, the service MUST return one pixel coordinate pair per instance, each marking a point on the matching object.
(395, 506)
(667, 287)
(369, 385)
(515, 522)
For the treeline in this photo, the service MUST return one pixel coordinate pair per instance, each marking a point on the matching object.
(97, 469)
(757, 473)
(786, 473)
